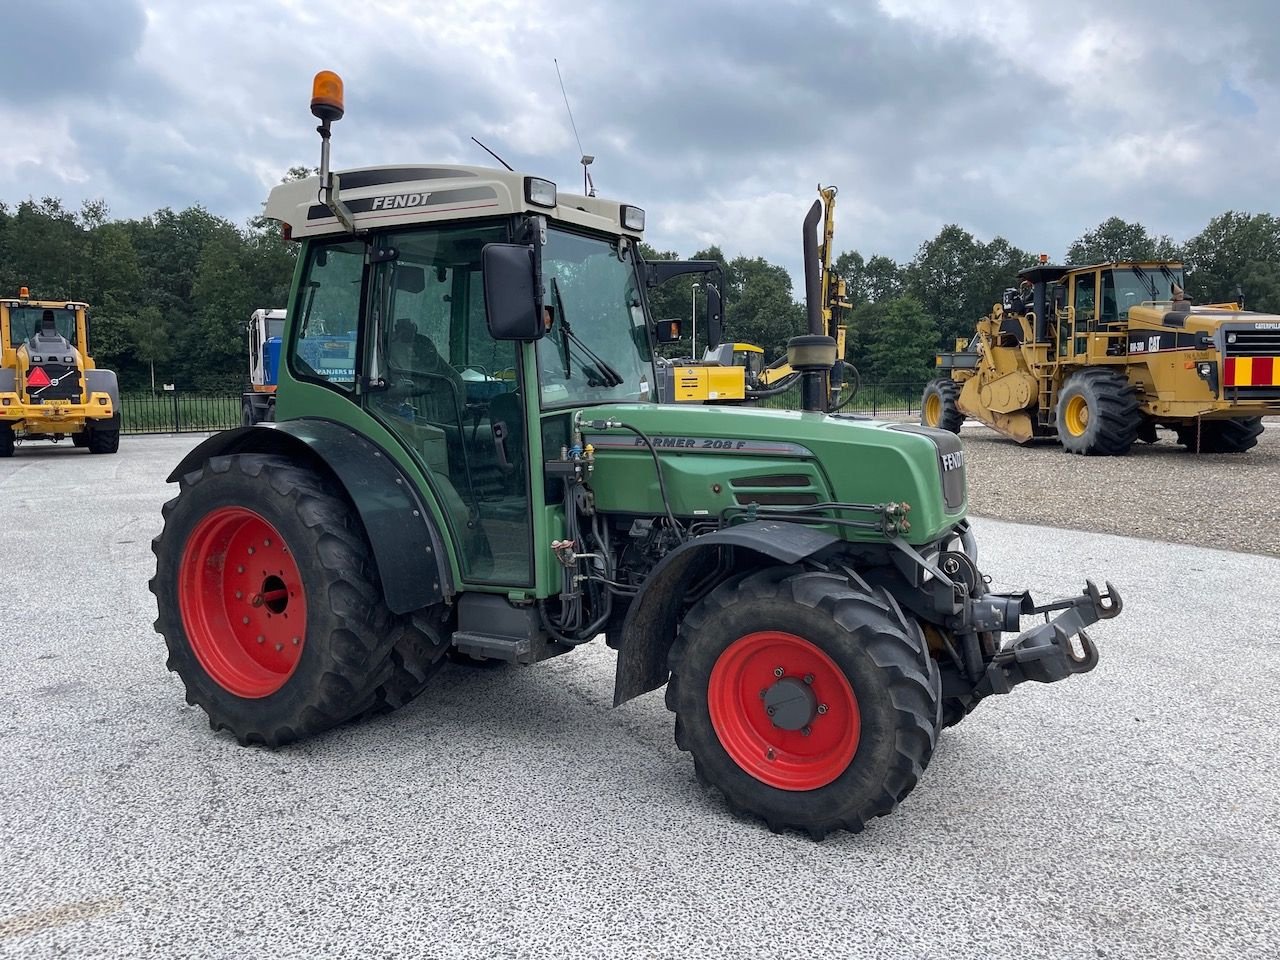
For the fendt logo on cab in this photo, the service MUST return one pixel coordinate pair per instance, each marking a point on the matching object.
(953, 461)
(400, 201)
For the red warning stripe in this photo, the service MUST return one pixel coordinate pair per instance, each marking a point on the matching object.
(1262, 371)
(37, 377)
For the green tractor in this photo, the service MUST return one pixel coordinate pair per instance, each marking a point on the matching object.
(468, 460)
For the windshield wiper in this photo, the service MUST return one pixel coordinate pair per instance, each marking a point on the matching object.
(611, 376)
(1147, 283)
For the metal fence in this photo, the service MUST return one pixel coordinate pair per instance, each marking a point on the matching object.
(174, 412)
(890, 399)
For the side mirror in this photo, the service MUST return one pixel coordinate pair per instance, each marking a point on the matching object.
(512, 302)
(668, 331)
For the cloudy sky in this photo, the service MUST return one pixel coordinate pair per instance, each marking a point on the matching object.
(1028, 120)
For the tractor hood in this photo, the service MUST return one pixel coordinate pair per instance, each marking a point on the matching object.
(717, 458)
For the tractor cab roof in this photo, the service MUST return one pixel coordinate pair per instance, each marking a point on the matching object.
(1043, 273)
(392, 196)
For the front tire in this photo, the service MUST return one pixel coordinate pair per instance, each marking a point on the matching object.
(269, 600)
(1097, 413)
(764, 739)
(1221, 436)
(939, 407)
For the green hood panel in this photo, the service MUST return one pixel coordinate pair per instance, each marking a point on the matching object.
(718, 457)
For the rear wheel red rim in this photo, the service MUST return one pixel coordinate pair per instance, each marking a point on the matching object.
(242, 603)
(807, 692)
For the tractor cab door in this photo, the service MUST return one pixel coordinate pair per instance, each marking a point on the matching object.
(1073, 336)
(451, 393)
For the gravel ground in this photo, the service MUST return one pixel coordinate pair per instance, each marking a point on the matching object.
(510, 812)
(1159, 491)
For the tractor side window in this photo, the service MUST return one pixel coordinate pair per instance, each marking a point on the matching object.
(324, 344)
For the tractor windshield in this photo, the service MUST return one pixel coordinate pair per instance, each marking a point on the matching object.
(25, 321)
(1126, 287)
(597, 346)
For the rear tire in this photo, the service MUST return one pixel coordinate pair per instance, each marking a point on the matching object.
(1098, 413)
(80, 439)
(939, 406)
(839, 647)
(304, 550)
(104, 441)
(1221, 436)
(246, 415)
(6, 440)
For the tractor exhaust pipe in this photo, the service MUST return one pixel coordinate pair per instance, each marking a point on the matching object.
(814, 355)
(812, 271)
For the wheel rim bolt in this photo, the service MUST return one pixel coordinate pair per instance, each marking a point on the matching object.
(822, 708)
(777, 671)
(261, 638)
(808, 678)
(279, 647)
(769, 710)
(240, 568)
(769, 755)
(763, 694)
(296, 641)
(251, 551)
(805, 731)
(239, 594)
(244, 620)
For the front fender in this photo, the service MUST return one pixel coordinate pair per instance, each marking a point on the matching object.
(413, 564)
(650, 625)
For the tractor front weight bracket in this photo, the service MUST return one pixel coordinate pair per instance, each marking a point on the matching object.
(1055, 649)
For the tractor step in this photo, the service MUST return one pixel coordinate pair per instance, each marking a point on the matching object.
(509, 649)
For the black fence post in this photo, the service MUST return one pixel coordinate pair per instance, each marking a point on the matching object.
(175, 412)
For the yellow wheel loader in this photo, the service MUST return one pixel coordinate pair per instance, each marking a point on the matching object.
(1100, 356)
(50, 388)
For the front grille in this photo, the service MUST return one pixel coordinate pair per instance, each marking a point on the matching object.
(1253, 343)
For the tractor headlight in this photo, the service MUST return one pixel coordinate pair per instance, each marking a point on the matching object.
(632, 217)
(1231, 338)
(541, 193)
(1204, 369)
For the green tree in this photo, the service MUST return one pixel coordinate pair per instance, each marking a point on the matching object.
(1116, 239)
(902, 346)
(1235, 251)
(762, 309)
(956, 278)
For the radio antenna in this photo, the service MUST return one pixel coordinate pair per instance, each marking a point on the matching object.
(588, 185)
(492, 154)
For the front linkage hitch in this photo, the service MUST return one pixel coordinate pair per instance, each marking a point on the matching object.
(1053, 650)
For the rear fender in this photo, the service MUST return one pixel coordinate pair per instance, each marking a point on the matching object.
(412, 559)
(649, 629)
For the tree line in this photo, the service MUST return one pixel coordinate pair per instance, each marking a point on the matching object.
(170, 292)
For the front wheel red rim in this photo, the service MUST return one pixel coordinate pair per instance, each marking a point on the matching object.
(242, 603)
(783, 710)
